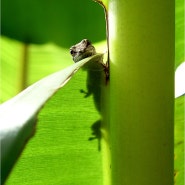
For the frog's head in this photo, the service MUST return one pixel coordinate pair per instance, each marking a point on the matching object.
(82, 50)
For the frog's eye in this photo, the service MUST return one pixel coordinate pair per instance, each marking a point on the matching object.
(72, 52)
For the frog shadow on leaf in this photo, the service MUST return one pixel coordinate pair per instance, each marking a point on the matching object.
(95, 80)
(97, 76)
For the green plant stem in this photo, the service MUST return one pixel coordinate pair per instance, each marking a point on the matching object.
(141, 37)
(24, 68)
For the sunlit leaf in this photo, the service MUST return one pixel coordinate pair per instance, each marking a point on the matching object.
(18, 115)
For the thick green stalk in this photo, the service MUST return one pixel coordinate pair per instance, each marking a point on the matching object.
(141, 35)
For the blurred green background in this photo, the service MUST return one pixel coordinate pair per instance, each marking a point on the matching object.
(37, 35)
(62, 22)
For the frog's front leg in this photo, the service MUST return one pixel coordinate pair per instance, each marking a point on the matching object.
(87, 93)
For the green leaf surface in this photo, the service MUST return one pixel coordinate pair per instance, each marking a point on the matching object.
(10, 65)
(60, 152)
(179, 140)
(179, 32)
(180, 101)
(18, 115)
(40, 61)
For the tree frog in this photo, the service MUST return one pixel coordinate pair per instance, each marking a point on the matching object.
(97, 76)
(85, 49)
(82, 50)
